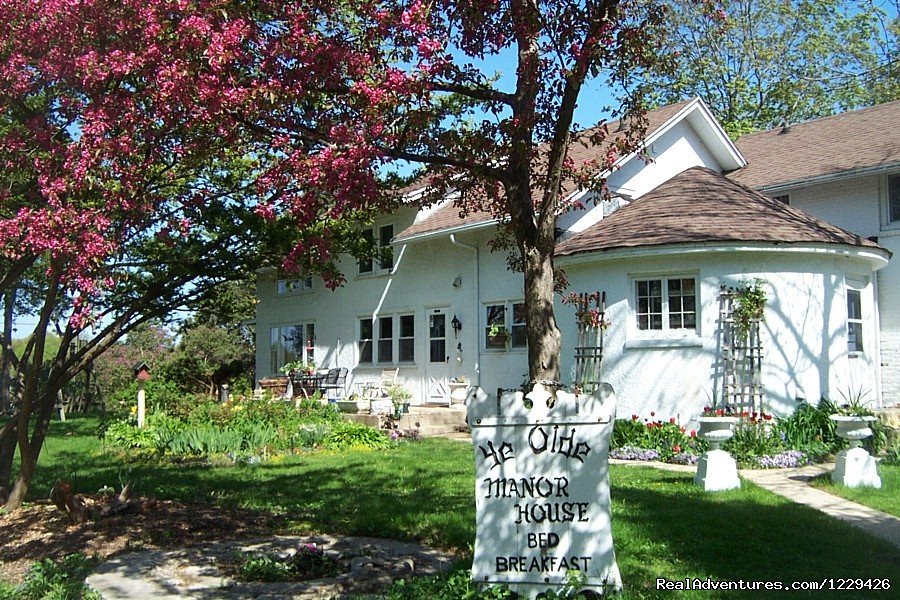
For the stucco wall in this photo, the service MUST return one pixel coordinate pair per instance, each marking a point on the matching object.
(860, 205)
(803, 337)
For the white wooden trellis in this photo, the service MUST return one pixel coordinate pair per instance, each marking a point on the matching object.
(741, 358)
(590, 314)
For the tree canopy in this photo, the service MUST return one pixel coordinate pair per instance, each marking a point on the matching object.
(153, 150)
(770, 62)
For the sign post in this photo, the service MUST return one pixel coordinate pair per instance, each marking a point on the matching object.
(142, 374)
(542, 491)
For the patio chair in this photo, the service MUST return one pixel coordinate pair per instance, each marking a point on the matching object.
(378, 389)
(335, 381)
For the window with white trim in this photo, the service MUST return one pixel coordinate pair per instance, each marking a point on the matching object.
(383, 251)
(854, 320)
(406, 342)
(364, 341)
(387, 339)
(290, 286)
(666, 304)
(894, 198)
(289, 343)
(504, 326)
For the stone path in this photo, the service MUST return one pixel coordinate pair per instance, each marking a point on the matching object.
(368, 565)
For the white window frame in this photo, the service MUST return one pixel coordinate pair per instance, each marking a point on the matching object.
(379, 337)
(301, 285)
(373, 266)
(893, 216)
(515, 328)
(278, 355)
(858, 286)
(667, 334)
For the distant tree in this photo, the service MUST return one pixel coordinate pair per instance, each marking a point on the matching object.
(770, 62)
(148, 342)
(208, 355)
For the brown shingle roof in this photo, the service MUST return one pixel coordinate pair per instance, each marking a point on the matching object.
(830, 145)
(448, 217)
(699, 206)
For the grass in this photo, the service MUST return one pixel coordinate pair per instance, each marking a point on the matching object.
(664, 527)
(886, 499)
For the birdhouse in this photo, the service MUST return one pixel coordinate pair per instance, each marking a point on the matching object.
(141, 371)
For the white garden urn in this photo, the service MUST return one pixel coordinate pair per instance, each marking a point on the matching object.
(854, 466)
(717, 470)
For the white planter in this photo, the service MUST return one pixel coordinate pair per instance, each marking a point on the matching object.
(458, 392)
(853, 428)
(716, 430)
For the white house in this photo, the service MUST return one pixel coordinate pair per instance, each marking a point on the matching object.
(675, 231)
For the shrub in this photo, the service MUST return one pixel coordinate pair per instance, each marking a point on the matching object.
(753, 438)
(63, 580)
(309, 562)
(892, 457)
(667, 438)
(809, 428)
(347, 434)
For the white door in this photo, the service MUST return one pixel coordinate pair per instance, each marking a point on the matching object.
(438, 357)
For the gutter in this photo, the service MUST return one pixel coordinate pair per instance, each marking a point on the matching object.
(456, 242)
(860, 172)
(442, 232)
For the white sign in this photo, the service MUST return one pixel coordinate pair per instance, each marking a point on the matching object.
(542, 491)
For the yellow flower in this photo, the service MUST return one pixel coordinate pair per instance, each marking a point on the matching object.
(133, 409)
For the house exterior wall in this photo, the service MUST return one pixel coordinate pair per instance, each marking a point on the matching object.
(804, 336)
(860, 205)
(677, 150)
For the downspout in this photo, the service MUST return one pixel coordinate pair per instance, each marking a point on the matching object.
(455, 242)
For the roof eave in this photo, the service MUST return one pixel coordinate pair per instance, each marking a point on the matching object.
(427, 235)
(876, 257)
(828, 178)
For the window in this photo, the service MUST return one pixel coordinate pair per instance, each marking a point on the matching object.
(666, 304)
(854, 320)
(385, 235)
(365, 341)
(507, 322)
(289, 286)
(386, 339)
(894, 197)
(383, 249)
(380, 342)
(406, 343)
(291, 343)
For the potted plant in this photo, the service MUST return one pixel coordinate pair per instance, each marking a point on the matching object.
(459, 388)
(400, 397)
(717, 425)
(749, 306)
(299, 366)
(498, 335)
(853, 418)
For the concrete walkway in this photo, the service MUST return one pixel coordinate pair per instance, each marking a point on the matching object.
(793, 485)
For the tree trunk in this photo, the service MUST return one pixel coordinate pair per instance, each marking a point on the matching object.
(9, 299)
(7, 453)
(544, 339)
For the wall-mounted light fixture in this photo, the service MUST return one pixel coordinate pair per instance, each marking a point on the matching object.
(457, 282)
(456, 324)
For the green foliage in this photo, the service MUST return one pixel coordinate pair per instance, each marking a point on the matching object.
(309, 562)
(754, 438)
(57, 580)
(810, 429)
(749, 306)
(666, 437)
(161, 395)
(892, 456)
(208, 356)
(457, 585)
(771, 62)
(347, 435)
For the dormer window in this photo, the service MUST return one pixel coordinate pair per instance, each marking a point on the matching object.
(381, 238)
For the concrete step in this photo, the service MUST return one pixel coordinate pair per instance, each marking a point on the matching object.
(427, 419)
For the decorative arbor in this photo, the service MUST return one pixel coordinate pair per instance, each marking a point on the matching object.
(590, 310)
(740, 312)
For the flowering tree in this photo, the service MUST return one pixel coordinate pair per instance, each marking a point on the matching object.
(150, 151)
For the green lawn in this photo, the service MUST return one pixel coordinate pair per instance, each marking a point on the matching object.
(886, 499)
(663, 525)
